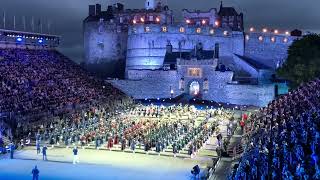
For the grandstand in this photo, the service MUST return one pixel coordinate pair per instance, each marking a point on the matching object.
(37, 82)
(284, 142)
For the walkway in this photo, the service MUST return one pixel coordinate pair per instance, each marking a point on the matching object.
(226, 163)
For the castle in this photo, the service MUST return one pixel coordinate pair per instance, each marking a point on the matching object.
(208, 55)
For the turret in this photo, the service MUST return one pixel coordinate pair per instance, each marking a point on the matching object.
(98, 9)
(150, 4)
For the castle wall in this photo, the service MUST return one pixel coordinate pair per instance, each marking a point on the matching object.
(156, 84)
(159, 85)
(104, 42)
(265, 51)
(257, 95)
(211, 15)
(146, 50)
(243, 66)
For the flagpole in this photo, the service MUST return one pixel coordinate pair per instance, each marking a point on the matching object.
(4, 20)
(32, 24)
(14, 22)
(49, 27)
(24, 23)
(40, 26)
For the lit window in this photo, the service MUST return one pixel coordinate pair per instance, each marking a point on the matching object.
(273, 39)
(225, 33)
(260, 38)
(198, 30)
(164, 29)
(147, 29)
(182, 30)
(247, 37)
(211, 31)
(285, 40)
(150, 18)
(195, 72)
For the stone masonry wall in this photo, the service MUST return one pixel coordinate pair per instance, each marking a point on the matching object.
(104, 41)
(266, 51)
(146, 50)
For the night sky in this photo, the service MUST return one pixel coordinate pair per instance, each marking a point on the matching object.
(66, 15)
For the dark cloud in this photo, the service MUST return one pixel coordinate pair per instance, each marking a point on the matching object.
(66, 15)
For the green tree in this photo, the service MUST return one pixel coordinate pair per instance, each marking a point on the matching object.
(303, 62)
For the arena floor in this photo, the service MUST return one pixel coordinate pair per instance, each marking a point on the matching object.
(97, 164)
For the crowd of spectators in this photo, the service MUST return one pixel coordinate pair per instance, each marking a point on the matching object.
(285, 138)
(42, 83)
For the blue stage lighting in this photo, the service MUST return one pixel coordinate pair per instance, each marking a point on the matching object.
(40, 41)
(19, 39)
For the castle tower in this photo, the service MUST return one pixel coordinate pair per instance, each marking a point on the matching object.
(150, 4)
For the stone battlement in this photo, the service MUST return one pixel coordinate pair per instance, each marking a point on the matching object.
(208, 62)
(182, 29)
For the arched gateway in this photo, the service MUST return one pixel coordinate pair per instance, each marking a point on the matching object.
(194, 89)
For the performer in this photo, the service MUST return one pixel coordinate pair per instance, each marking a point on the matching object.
(174, 149)
(133, 145)
(44, 153)
(190, 152)
(110, 142)
(158, 147)
(116, 139)
(75, 155)
(123, 144)
(38, 146)
(12, 148)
